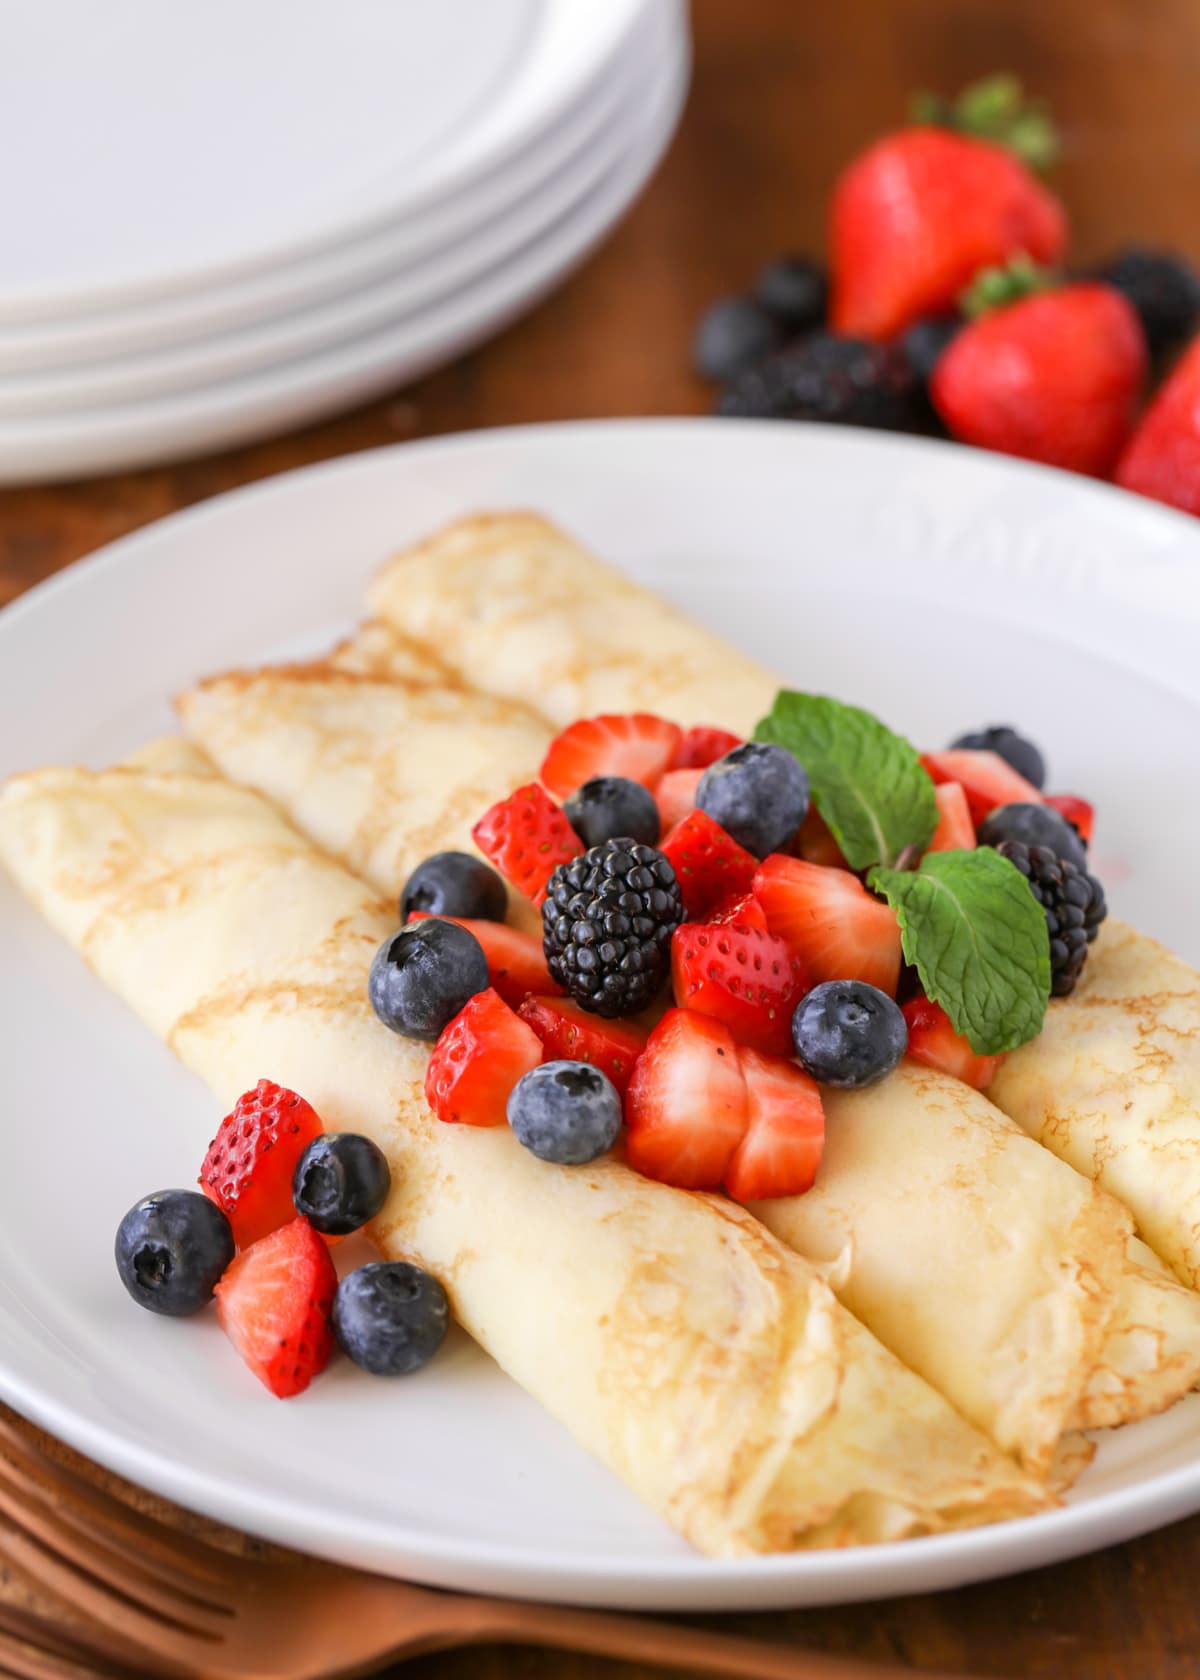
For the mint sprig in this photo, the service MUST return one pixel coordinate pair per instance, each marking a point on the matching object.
(868, 783)
(978, 940)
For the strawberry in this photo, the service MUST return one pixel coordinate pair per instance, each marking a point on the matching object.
(1054, 377)
(781, 1150)
(527, 836)
(675, 796)
(516, 961)
(636, 744)
(1077, 811)
(815, 842)
(955, 830)
(249, 1165)
(709, 865)
(478, 1059)
(739, 907)
(933, 1042)
(703, 745)
(569, 1033)
(742, 976)
(685, 1110)
(987, 779)
(917, 215)
(839, 930)
(274, 1304)
(1162, 459)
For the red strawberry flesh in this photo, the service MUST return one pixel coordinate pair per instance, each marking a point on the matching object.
(933, 1042)
(955, 830)
(836, 927)
(987, 779)
(527, 836)
(702, 746)
(708, 863)
(274, 1303)
(781, 1149)
(685, 1110)
(249, 1165)
(569, 1033)
(478, 1059)
(742, 976)
(636, 745)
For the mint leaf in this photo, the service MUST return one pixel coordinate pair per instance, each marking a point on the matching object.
(978, 939)
(868, 783)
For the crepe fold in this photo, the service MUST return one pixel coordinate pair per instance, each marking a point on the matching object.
(695, 1355)
(991, 1268)
(515, 606)
(1112, 1084)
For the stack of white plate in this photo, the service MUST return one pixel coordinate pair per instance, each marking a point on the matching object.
(222, 220)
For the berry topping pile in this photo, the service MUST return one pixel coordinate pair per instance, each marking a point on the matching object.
(951, 305)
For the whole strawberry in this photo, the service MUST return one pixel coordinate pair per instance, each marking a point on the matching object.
(1053, 377)
(1163, 456)
(917, 215)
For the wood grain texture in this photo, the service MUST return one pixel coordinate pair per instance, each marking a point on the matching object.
(784, 91)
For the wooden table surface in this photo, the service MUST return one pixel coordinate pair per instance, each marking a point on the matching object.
(783, 92)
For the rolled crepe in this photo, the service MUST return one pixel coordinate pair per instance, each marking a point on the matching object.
(1112, 1084)
(992, 1269)
(515, 606)
(695, 1355)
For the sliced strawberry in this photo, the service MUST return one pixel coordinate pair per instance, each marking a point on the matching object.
(839, 930)
(274, 1304)
(709, 864)
(955, 830)
(516, 961)
(1162, 458)
(781, 1150)
(987, 779)
(815, 842)
(675, 796)
(740, 907)
(1076, 811)
(527, 836)
(634, 744)
(933, 1042)
(569, 1033)
(478, 1059)
(249, 1165)
(702, 746)
(685, 1110)
(742, 976)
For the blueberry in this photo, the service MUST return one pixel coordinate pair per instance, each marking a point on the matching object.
(924, 342)
(566, 1112)
(1163, 289)
(758, 793)
(1034, 825)
(794, 292)
(1014, 749)
(390, 1317)
(732, 336)
(611, 808)
(455, 884)
(171, 1249)
(341, 1181)
(848, 1034)
(422, 976)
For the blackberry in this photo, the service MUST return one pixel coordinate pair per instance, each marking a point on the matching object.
(1164, 290)
(607, 923)
(847, 381)
(1074, 904)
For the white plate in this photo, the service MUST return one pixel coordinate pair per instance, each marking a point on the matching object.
(943, 587)
(289, 393)
(650, 29)
(207, 143)
(592, 146)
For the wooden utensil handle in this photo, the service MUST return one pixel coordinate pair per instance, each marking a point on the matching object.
(672, 1646)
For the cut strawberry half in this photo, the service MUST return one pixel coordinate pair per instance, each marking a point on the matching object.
(274, 1303)
(1076, 811)
(742, 976)
(987, 779)
(516, 961)
(955, 830)
(839, 930)
(816, 844)
(685, 1110)
(781, 1149)
(248, 1169)
(675, 796)
(527, 836)
(741, 907)
(933, 1042)
(637, 745)
(569, 1033)
(702, 746)
(477, 1060)
(708, 863)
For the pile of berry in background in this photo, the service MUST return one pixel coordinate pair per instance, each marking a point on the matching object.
(949, 307)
